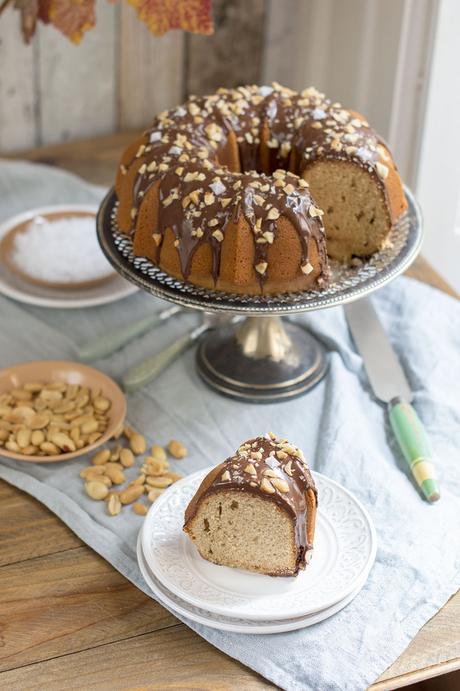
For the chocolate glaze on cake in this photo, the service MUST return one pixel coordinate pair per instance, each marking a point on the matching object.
(188, 152)
(274, 470)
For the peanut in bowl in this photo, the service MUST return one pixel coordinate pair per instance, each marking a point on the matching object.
(53, 410)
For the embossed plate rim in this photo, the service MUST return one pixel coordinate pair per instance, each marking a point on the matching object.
(234, 625)
(170, 565)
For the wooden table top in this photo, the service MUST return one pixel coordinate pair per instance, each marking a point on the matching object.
(69, 619)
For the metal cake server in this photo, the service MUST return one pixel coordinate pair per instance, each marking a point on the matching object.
(141, 374)
(391, 387)
(111, 341)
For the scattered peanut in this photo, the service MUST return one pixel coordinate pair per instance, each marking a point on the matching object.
(116, 475)
(96, 489)
(130, 494)
(115, 453)
(137, 443)
(105, 479)
(126, 458)
(177, 449)
(113, 505)
(159, 482)
(158, 451)
(101, 457)
(155, 466)
(110, 465)
(128, 431)
(92, 471)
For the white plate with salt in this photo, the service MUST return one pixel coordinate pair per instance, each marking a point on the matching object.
(51, 257)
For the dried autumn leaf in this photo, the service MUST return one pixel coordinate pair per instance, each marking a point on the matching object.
(72, 17)
(29, 12)
(44, 10)
(163, 15)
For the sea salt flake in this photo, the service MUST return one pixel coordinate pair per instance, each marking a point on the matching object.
(217, 187)
(364, 154)
(65, 250)
(318, 114)
(265, 90)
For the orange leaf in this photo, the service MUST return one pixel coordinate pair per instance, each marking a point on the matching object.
(72, 17)
(163, 15)
(44, 10)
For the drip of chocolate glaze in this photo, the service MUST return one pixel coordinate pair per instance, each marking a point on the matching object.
(189, 139)
(265, 454)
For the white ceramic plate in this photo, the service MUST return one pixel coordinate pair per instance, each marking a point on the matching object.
(219, 621)
(13, 286)
(345, 546)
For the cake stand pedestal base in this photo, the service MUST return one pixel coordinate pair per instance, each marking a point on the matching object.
(261, 360)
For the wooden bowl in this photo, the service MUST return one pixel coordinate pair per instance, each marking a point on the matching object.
(8, 241)
(47, 371)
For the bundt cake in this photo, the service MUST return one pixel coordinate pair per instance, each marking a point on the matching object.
(256, 510)
(231, 191)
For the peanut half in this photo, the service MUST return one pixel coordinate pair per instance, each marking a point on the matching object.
(130, 494)
(96, 489)
(138, 444)
(113, 505)
(177, 449)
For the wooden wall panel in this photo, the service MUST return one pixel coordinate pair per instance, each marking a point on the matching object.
(286, 29)
(77, 83)
(371, 55)
(407, 121)
(150, 70)
(17, 92)
(379, 59)
(233, 55)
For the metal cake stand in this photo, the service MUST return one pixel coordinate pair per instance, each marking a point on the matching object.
(263, 358)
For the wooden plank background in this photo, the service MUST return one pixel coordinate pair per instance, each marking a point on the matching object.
(121, 75)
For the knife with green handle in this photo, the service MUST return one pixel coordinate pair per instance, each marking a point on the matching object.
(111, 341)
(390, 386)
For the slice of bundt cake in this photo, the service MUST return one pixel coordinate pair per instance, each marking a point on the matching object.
(256, 510)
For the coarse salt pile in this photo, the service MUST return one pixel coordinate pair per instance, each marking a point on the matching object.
(64, 250)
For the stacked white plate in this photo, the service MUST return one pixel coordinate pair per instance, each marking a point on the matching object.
(244, 602)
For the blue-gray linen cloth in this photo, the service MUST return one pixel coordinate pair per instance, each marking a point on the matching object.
(342, 429)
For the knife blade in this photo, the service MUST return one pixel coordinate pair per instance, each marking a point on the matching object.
(390, 386)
